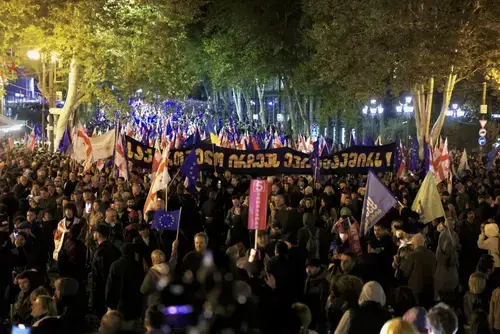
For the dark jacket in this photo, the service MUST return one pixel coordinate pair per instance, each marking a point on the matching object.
(72, 260)
(104, 256)
(144, 250)
(316, 291)
(123, 287)
(419, 268)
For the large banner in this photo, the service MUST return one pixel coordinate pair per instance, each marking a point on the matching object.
(103, 146)
(357, 159)
(139, 154)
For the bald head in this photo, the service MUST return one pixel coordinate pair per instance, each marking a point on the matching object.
(418, 240)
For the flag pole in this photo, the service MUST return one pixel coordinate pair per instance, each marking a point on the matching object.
(179, 224)
(213, 152)
(255, 242)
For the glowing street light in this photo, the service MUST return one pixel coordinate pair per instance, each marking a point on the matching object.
(34, 54)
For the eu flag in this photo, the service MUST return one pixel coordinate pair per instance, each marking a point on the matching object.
(166, 220)
(190, 168)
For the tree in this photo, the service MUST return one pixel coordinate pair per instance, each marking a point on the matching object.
(112, 45)
(373, 46)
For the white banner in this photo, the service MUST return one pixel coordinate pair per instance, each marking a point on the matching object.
(103, 146)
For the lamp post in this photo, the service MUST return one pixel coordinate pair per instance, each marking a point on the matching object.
(36, 55)
(374, 110)
(405, 109)
(47, 94)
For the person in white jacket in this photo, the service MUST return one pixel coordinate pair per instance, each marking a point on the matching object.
(489, 240)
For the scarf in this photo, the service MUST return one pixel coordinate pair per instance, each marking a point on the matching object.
(60, 234)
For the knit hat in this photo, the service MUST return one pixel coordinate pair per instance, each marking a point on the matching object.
(345, 211)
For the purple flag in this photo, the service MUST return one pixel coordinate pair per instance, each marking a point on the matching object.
(378, 201)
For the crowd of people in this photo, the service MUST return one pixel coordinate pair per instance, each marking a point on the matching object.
(78, 254)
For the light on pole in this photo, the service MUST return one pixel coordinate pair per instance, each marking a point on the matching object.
(34, 54)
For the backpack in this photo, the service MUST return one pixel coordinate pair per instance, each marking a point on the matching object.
(312, 245)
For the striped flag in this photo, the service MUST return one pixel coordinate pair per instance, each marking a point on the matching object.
(120, 157)
(31, 140)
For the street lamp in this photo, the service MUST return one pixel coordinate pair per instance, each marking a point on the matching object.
(455, 111)
(34, 54)
(373, 110)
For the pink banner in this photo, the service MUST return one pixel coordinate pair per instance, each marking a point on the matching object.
(257, 211)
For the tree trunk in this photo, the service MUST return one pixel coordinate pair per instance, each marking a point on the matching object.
(262, 109)
(448, 91)
(303, 114)
(247, 97)
(237, 102)
(311, 110)
(72, 100)
(293, 120)
(422, 109)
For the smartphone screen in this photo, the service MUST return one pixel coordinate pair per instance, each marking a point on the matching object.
(21, 329)
(16, 233)
(88, 207)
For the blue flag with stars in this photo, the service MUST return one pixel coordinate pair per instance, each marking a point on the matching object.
(190, 168)
(166, 220)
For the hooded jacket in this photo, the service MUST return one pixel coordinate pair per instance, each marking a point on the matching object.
(491, 244)
(370, 316)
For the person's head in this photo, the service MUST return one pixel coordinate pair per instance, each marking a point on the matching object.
(101, 232)
(44, 306)
(372, 291)
(236, 201)
(442, 320)
(40, 291)
(200, 242)
(154, 318)
(31, 215)
(329, 190)
(136, 189)
(69, 210)
(44, 192)
(308, 191)
(313, 267)
(24, 281)
(300, 318)
(275, 189)
(144, 231)
(234, 181)
(111, 216)
(262, 239)
(398, 326)
(66, 288)
(88, 196)
(111, 323)
(347, 287)
(470, 215)
(477, 283)
(280, 200)
(485, 264)
(378, 231)
(158, 257)
(417, 316)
